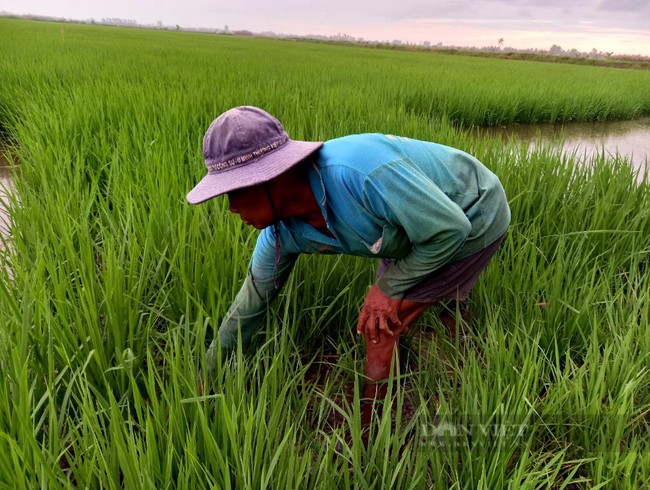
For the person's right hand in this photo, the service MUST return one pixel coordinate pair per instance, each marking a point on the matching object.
(378, 314)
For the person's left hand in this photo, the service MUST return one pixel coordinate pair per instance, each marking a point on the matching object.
(378, 310)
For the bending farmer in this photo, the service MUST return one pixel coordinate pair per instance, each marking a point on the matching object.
(433, 214)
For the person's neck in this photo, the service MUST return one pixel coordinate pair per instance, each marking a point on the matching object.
(307, 208)
(300, 203)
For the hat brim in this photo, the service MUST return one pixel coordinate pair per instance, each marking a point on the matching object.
(253, 173)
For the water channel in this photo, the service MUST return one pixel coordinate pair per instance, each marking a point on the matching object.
(628, 139)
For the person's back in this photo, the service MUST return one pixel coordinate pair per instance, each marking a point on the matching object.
(397, 166)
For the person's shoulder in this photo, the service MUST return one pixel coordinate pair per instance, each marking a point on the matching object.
(361, 152)
(356, 139)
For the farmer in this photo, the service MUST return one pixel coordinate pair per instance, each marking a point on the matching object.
(434, 215)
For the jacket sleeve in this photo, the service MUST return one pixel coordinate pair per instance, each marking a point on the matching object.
(247, 312)
(401, 194)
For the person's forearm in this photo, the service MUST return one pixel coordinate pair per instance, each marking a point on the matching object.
(403, 196)
(248, 310)
(244, 316)
(424, 259)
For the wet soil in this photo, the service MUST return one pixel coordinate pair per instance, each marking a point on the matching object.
(325, 377)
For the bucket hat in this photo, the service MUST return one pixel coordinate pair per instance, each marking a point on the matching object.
(246, 146)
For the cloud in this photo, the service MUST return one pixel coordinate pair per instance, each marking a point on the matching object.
(636, 6)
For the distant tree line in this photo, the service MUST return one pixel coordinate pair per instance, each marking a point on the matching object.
(498, 50)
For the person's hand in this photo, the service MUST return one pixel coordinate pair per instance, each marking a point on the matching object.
(378, 310)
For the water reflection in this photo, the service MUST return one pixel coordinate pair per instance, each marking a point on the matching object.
(629, 139)
(5, 187)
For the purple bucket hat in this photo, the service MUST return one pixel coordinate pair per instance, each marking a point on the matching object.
(246, 146)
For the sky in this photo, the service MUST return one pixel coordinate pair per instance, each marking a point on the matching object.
(619, 26)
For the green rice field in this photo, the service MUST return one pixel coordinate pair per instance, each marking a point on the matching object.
(111, 285)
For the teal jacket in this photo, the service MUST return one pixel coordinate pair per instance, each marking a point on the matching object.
(382, 196)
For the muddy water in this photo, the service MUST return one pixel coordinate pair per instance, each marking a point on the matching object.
(629, 139)
(5, 187)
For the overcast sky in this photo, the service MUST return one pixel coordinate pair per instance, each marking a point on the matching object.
(621, 26)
